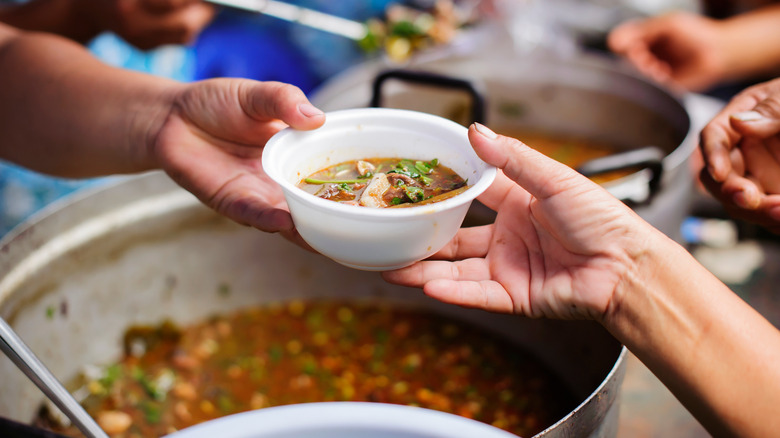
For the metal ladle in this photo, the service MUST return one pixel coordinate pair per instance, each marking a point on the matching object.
(21, 355)
(296, 14)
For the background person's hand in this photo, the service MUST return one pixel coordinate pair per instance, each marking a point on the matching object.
(741, 151)
(559, 246)
(212, 141)
(149, 23)
(680, 49)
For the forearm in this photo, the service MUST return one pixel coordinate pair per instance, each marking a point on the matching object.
(65, 113)
(713, 351)
(62, 17)
(752, 43)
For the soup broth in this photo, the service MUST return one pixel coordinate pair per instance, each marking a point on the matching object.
(572, 151)
(314, 351)
(385, 182)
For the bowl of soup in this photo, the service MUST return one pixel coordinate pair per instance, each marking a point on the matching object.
(377, 188)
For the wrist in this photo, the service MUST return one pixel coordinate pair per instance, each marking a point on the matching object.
(150, 114)
(748, 44)
(657, 269)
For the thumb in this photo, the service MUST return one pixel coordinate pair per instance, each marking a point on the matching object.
(285, 102)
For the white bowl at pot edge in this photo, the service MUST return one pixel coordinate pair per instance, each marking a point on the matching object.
(342, 420)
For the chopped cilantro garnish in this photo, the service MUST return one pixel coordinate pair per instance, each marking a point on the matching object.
(423, 168)
(416, 194)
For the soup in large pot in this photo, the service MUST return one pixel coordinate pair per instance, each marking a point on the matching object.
(305, 351)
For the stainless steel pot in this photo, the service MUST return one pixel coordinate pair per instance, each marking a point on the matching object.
(143, 250)
(585, 95)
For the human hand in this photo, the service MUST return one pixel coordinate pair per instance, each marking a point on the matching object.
(212, 140)
(741, 151)
(558, 248)
(681, 49)
(147, 24)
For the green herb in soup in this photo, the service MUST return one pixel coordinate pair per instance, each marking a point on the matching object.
(315, 351)
(385, 182)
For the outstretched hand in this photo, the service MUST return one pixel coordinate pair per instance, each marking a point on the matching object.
(559, 247)
(678, 49)
(212, 141)
(741, 150)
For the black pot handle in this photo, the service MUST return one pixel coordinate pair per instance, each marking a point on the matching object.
(648, 157)
(433, 80)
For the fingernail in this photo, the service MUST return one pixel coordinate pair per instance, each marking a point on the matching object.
(484, 130)
(747, 116)
(309, 110)
(774, 213)
(747, 198)
(712, 169)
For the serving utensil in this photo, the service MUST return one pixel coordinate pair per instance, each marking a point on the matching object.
(296, 14)
(20, 354)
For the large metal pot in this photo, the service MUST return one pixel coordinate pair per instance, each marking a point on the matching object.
(143, 250)
(584, 95)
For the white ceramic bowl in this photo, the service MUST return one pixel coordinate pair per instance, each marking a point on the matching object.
(375, 238)
(342, 420)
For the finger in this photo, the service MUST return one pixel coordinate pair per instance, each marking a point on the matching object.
(716, 141)
(771, 206)
(420, 273)
(486, 295)
(275, 100)
(624, 37)
(540, 175)
(762, 164)
(741, 192)
(467, 243)
(715, 188)
(761, 122)
(294, 237)
(253, 210)
(236, 192)
(648, 63)
(767, 214)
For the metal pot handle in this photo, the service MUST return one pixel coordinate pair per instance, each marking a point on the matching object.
(433, 80)
(648, 157)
